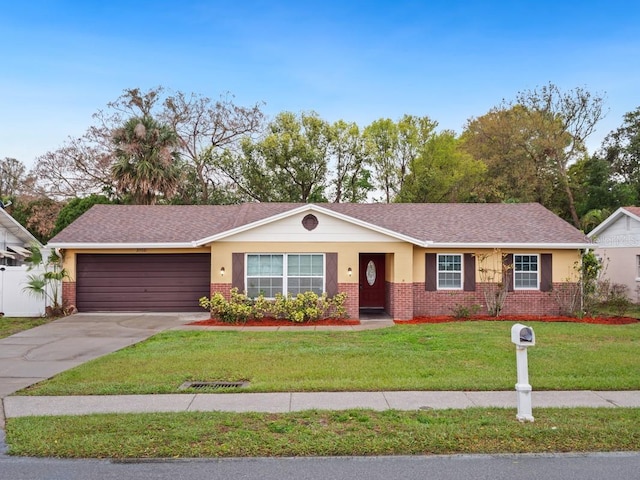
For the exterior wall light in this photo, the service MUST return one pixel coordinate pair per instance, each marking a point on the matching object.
(349, 271)
(222, 272)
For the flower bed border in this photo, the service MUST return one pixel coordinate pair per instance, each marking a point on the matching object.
(520, 318)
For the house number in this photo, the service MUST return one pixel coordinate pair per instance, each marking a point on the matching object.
(371, 273)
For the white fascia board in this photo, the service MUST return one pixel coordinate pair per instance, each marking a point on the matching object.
(314, 208)
(609, 220)
(121, 246)
(529, 246)
(20, 230)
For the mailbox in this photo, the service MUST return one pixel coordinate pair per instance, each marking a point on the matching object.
(522, 335)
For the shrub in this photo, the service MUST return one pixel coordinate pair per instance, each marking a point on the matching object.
(238, 309)
(304, 307)
(617, 299)
(309, 306)
(460, 311)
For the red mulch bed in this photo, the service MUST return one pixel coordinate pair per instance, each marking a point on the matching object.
(275, 322)
(521, 318)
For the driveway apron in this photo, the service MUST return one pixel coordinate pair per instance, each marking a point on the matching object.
(42, 352)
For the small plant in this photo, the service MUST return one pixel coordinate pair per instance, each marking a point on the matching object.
(465, 312)
(591, 272)
(309, 306)
(618, 299)
(494, 276)
(237, 310)
(48, 284)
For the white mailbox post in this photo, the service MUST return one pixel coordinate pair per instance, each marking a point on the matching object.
(523, 337)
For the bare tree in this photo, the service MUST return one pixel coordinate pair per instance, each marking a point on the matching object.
(12, 177)
(204, 129)
(567, 120)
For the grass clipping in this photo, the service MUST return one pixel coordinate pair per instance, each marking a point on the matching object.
(322, 433)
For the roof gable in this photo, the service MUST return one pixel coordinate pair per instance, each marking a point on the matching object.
(612, 222)
(290, 227)
(621, 229)
(16, 230)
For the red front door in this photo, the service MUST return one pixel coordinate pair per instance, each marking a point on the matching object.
(372, 284)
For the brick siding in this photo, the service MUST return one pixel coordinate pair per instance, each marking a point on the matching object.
(352, 303)
(400, 300)
(223, 288)
(69, 294)
(519, 302)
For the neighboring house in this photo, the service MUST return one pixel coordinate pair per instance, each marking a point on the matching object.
(618, 247)
(406, 259)
(14, 240)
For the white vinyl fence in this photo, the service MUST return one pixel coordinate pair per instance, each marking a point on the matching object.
(14, 301)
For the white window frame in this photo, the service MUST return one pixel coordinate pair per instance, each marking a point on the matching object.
(438, 271)
(285, 264)
(637, 268)
(537, 271)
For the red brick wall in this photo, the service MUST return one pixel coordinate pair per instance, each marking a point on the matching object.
(223, 288)
(443, 302)
(519, 302)
(352, 303)
(531, 302)
(400, 300)
(68, 294)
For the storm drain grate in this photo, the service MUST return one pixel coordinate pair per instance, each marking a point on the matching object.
(212, 385)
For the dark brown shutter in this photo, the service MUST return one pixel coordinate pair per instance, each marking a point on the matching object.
(469, 272)
(331, 275)
(507, 274)
(546, 272)
(431, 272)
(237, 271)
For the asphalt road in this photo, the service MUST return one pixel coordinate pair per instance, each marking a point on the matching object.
(468, 467)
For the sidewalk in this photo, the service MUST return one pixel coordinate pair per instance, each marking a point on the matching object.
(18, 406)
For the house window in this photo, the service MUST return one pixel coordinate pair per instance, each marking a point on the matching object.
(637, 266)
(269, 274)
(525, 272)
(450, 271)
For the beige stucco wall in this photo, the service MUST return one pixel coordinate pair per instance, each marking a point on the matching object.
(563, 261)
(397, 265)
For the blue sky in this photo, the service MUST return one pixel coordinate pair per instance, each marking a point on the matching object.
(61, 61)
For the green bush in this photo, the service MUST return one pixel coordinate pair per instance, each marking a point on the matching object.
(464, 312)
(237, 310)
(309, 306)
(304, 307)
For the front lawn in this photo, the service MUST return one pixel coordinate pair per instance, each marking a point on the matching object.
(314, 433)
(451, 356)
(12, 325)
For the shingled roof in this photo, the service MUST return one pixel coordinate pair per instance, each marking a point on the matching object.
(440, 223)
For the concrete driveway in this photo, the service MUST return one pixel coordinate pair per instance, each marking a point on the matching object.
(42, 352)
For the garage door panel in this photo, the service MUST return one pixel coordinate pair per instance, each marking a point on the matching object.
(135, 282)
(142, 282)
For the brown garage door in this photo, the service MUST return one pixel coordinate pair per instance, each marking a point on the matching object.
(148, 283)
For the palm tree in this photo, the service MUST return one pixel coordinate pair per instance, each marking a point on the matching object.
(147, 162)
(48, 284)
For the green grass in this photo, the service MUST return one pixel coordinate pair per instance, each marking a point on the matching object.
(12, 325)
(313, 433)
(451, 356)
(632, 311)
